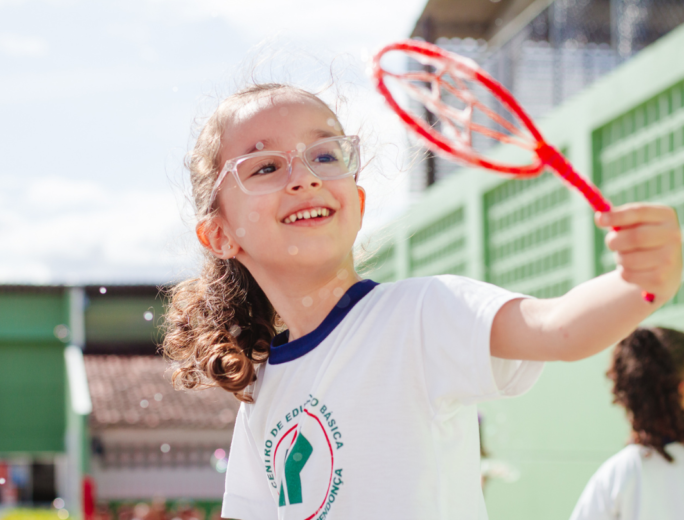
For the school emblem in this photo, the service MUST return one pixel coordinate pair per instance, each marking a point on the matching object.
(299, 458)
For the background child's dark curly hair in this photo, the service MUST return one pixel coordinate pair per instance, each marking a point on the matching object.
(647, 373)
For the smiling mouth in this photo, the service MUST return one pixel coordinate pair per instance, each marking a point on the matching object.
(312, 213)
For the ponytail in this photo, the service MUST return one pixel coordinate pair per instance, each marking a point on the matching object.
(647, 369)
(219, 327)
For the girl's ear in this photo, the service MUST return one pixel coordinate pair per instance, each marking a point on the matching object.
(211, 236)
(362, 200)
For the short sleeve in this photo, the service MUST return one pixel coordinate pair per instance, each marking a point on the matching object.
(456, 321)
(247, 495)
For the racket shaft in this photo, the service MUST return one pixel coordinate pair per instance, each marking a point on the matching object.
(555, 160)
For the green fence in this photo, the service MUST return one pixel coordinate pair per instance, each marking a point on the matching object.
(538, 237)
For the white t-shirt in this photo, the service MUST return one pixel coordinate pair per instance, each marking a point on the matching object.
(635, 484)
(372, 415)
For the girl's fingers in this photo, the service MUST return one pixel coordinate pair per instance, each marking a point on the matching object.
(636, 213)
(652, 280)
(645, 236)
(640, 261)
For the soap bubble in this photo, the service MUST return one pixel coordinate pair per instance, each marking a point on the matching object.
(61, 331)
(235, 331)
(293, 250)
(307, 301)
(240, 232)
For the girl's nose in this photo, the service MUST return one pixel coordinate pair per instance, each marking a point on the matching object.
(302, 178)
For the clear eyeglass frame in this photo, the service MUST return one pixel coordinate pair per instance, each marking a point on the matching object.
(231, 165)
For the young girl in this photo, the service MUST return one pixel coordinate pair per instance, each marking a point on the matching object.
(646, 479)
(364, 406)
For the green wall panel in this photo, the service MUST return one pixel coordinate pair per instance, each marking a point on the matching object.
(528, 240)
(122, 319)
(555, 436)
(32, 398)
(440, 245)
(26, 316)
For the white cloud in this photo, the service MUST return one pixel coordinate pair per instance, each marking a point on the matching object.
(19, 46)
(54, 193)
(95, 235)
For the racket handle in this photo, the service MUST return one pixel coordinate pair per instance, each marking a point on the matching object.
(556, 161)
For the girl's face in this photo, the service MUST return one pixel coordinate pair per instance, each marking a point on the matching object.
(257, 228)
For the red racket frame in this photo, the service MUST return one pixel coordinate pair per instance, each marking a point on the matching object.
(545, 154)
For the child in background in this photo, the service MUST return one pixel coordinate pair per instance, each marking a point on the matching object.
(358, 398)
(645, 481)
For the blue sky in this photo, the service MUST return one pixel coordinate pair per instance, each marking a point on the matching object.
(97, 103)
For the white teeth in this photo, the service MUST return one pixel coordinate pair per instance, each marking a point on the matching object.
(306, 214)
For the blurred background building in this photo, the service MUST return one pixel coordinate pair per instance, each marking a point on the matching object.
(604, 80)
(543, 51)
(89, 420)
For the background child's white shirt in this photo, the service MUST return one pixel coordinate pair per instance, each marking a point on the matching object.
(635, 484)
(378, 421)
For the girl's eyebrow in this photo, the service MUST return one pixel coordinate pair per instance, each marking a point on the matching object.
(321, 134)
(264, 144)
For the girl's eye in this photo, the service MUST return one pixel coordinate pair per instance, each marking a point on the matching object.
(325, 158)
(265, 169)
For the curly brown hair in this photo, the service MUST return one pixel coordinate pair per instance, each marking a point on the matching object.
(647, 371)
(219, 326)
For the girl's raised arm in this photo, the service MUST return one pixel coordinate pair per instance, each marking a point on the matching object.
(647, 242)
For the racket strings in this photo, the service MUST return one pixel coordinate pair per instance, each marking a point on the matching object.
(427, 88)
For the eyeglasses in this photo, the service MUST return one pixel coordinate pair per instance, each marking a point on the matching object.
(260, 173)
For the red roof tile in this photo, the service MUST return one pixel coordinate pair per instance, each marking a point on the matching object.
(136, 392)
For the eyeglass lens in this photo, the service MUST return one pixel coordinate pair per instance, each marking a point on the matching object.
(329, 159)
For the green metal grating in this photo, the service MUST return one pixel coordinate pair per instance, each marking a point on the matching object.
(440, 246)
(528, 240)
(639, 156)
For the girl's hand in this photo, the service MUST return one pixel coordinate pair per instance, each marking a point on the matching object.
(647, 242)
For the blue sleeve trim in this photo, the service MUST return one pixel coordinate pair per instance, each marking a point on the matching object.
(283, 351)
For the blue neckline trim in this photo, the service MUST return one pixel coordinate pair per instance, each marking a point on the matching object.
(283, 351)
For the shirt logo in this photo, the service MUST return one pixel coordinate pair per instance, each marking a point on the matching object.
(294, 464)
(299, 457)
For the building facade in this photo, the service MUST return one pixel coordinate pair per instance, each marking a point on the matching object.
(626, 132)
